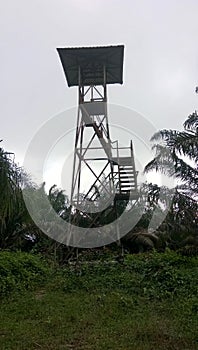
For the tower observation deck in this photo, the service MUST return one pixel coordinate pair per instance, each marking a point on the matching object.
(108, 170)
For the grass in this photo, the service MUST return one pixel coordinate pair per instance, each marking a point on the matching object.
(107, 306)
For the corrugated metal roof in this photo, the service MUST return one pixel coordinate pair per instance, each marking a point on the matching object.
(91, 61)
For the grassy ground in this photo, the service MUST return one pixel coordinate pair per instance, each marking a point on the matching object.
(149, 302)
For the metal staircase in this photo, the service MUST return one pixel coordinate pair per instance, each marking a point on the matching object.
(121, 182)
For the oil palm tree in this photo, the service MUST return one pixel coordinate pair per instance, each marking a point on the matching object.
(177, 153)
(12, 208)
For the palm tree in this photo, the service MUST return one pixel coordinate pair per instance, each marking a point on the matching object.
(12, 208)
(177, 153)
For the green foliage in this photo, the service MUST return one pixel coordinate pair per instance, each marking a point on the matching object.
(147, 302)
(189, 250)
(176, 154)
(13, 212)
(17, 229)
(20, 271)
(168, 275)
(174, 149)
(58, 200)
(154, 275)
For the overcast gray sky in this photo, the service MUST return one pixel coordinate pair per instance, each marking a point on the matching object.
(160, 62)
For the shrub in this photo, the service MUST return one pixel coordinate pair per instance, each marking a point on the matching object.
(20, 271)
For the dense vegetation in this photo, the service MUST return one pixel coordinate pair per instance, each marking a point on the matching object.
(178, 229)
(20, 271)
(51, 300)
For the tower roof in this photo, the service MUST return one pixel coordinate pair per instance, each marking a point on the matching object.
(92, 61)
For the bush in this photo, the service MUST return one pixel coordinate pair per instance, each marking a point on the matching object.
(166, 275)
(20, 271)
(154, 275)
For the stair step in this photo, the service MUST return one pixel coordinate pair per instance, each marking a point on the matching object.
(123, 161)
(126, 172)
(125, 176)
(126, 169)
(126, 182)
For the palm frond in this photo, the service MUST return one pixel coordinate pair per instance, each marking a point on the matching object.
(185, 143)
(192, 122)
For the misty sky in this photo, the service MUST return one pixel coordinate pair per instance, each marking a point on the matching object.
(160, 60)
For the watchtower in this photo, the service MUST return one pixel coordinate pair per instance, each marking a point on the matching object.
(98, 161)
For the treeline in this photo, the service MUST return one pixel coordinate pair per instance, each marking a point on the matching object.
(176, 155)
